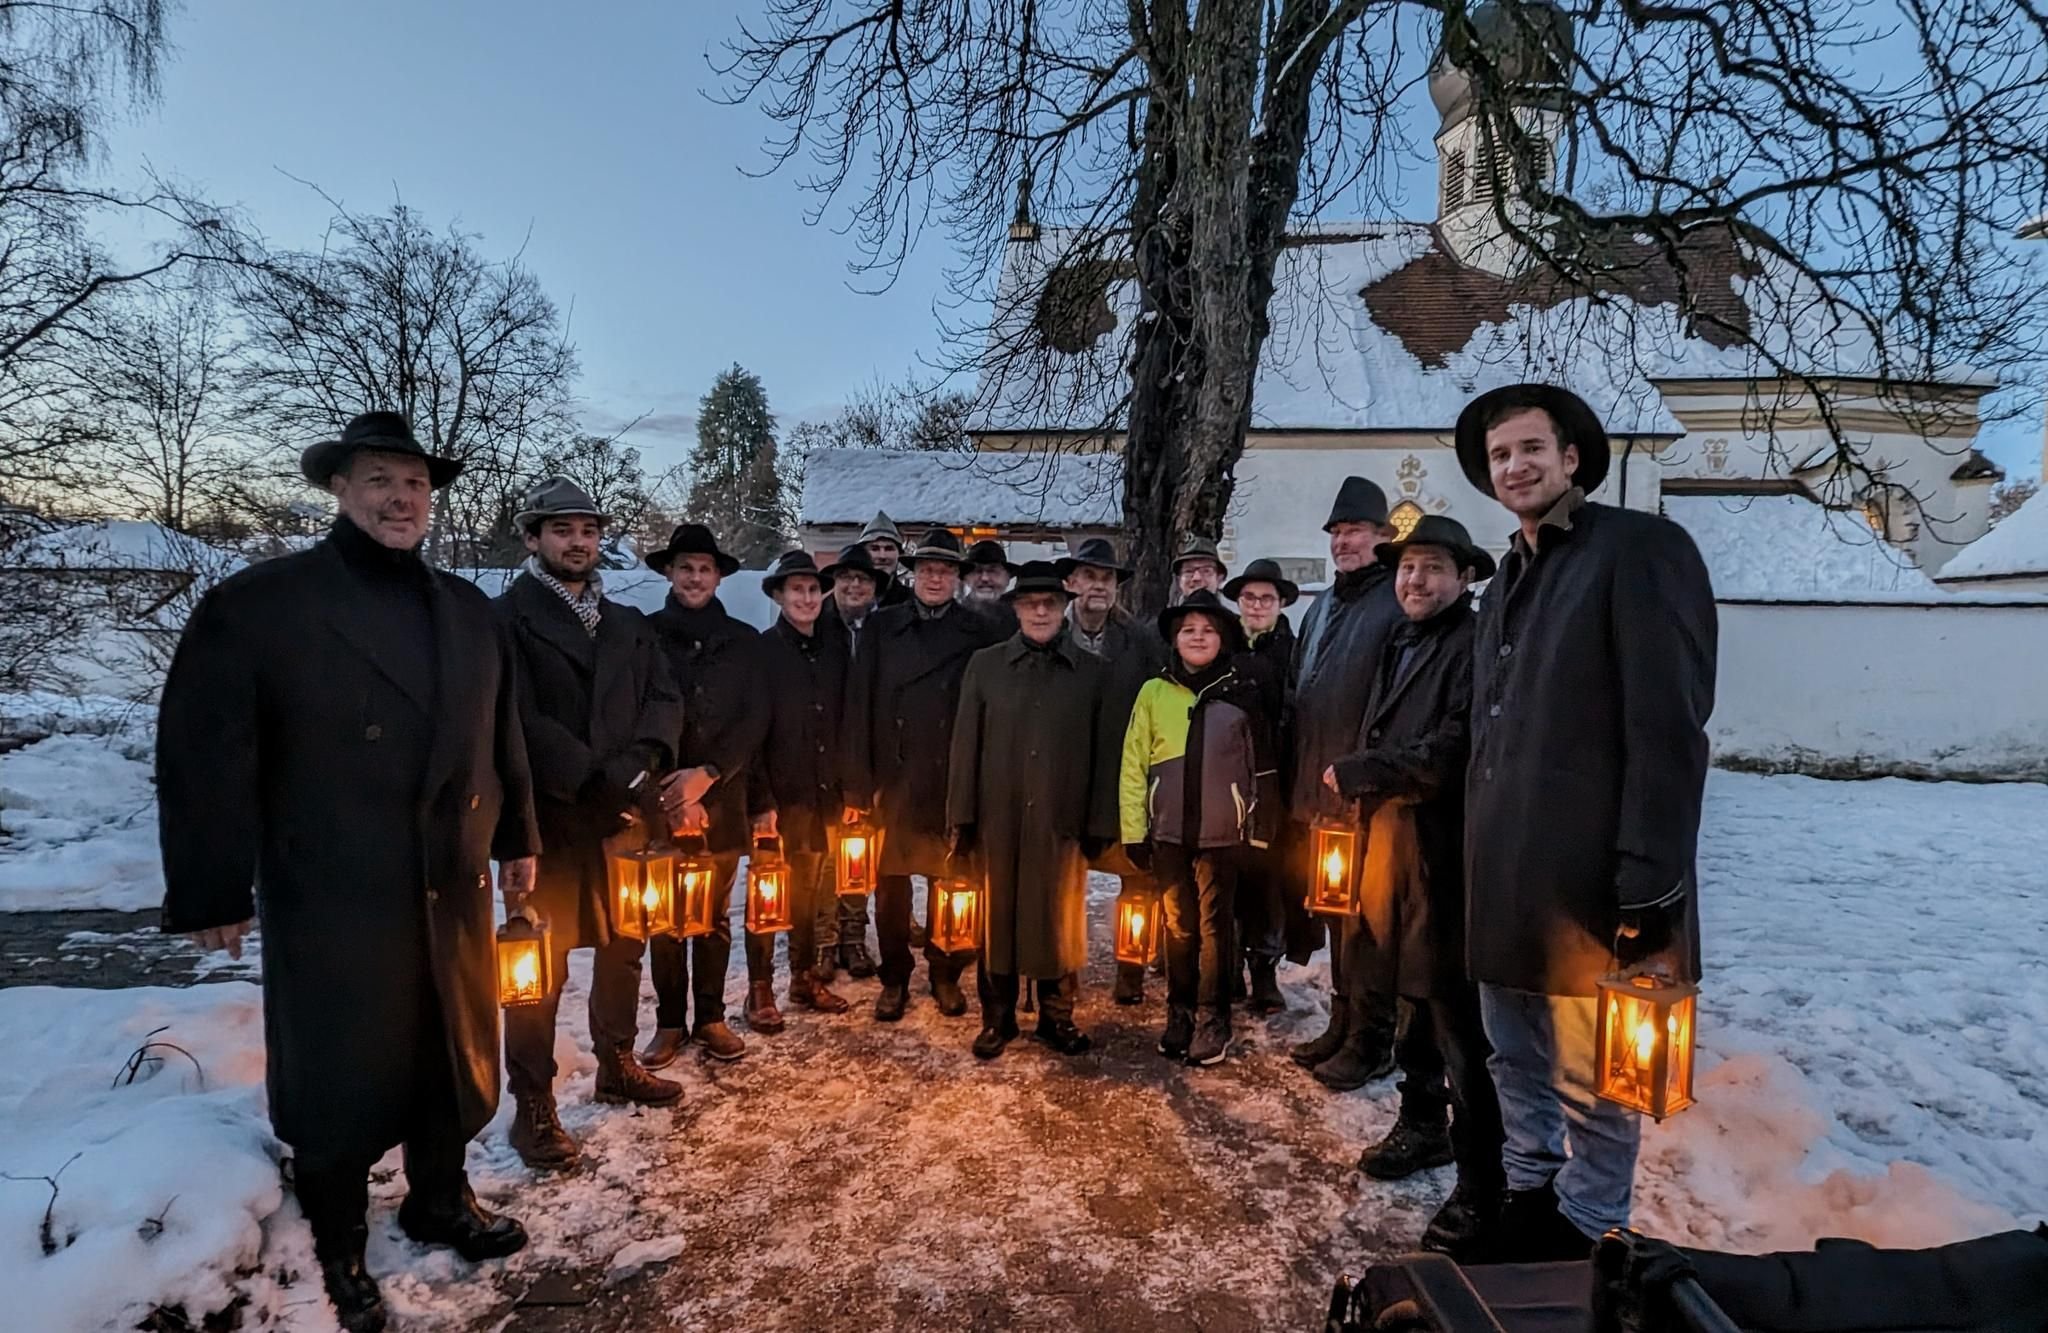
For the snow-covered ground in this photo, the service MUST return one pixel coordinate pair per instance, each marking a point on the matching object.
(1875, 1065)
(78, 817)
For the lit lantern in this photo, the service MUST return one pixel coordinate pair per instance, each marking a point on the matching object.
(956, 914)
(1333, 888)
(643, 892)
(1137, 928)
(700, 897)
(767, 889)
(858, 846)
(524, 961)
(1646, 1041)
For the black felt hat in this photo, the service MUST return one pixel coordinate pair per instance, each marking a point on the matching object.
(853, 559)
(1359, 500)
(1096, 553)
(1037, 576)
(1577, 424)
(1209, 604)
(991, 553)
(1265, 571)
(786, 564)
(691, 539)
(386, 432)
(1439, 530)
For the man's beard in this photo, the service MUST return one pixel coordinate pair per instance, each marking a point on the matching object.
(563, 574)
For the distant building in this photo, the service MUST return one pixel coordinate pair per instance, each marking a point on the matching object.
(1038, 505)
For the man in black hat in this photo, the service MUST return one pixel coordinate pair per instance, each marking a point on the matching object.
(716, 661)
(1408, 776)
(899, 740)
(601, 717)
(987, 573)
(1199, 565)
(339, 750)
(1596, 642)
(852, 580)
(1263, 594)
(796, 784)
(1135, 654)
(883, 542)
(1341, 637)
(1031, 797)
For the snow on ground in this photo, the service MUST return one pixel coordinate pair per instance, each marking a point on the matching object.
(78, 824)
(1875, 1035)
(1774, 546)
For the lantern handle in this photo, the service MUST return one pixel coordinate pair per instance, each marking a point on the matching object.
(528, 913)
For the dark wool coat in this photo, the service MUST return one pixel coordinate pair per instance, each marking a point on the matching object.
(1035, 750)
(597, 712)
(900, 706)
(1134, 653)
(1592, 681)
(1408, 775)
(804, 679)
(1334, 656)
(717, 662)
(304, 777)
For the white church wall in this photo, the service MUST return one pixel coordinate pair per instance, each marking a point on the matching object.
(1917, 688)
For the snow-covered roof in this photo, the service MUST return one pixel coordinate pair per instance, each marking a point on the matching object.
(119, 543)
(2017, 546)
(1773, 546)
(919, 487)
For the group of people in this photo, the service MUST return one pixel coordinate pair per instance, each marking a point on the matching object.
(348, 739)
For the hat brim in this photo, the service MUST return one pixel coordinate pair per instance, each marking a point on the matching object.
(1232, 631)
(772, 583)
(659, 561)
(527, 517)
(1468, 557)
(1066, 565)
(1290, 593)
(1579, 423)
(831, 573)
(1037, 586)
(911, 558)
(1013, 569)
(321, 461)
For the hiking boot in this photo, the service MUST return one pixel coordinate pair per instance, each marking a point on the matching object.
(1180, 1031)
(1062, 1036)
(1130, 984)
(721, 1042)
(662, 1048)
(995, 1037)
(1410, 1146)
(1462, 1223)
(1308, 1054)
(462, 1224)
(952, 1003)
(1266, 996)
(537, 1134)
(622, 1079)
(1357, 1062)
(1529, 1229)
(891, 1003)
(1212, 1038)
(807, 991)
(856, 959)
(761, 1013)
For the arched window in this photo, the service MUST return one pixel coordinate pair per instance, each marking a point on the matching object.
(1404, 518)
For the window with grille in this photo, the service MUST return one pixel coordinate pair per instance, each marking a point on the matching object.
(1454, 179)
(1404, 518)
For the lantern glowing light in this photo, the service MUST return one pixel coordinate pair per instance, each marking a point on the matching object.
(524, 961)
(1333, 889)
(1137, 928)
(955, 914)
(768, 908)
(855, 855)
(699, 895)
(643, 892)
(1646, 1042)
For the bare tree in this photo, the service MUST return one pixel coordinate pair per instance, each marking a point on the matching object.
(1622, 146)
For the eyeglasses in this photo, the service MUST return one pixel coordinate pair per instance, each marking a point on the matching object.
(1258, 599)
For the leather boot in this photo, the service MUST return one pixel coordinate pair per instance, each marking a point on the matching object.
(826, 969)
(891, 1003)
(1310, 1053)
(1212, 1036)
(662, 1048)
(1180, 1031)
(952, 1001)
(1130, 984)
(537, 1134)
(459, 1222)
(1529, 1229)
(1266, 996)
(1359, 1061)
(1409, 1147)
(721, 1042)
(622, 1079)
(1462, 1226)
(762, 1015)
(335, 1209)
(1062, 1036)
(859, 963)
(807, 991)
(998, 1031)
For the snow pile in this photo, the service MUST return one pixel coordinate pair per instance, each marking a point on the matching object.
(1787, 546)
(2016, 547)
(166, 1185)
(918, 487)
(78, 825)
(119, 543)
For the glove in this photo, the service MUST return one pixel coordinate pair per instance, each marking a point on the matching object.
(1140, 855)
(1093, 848)
(961, 844)
(1645, 932)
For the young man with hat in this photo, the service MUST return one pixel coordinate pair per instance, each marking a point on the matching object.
(716, 661)
(1031, 796)
(601, 717)
(852, 581)
(1340, 641)
(795, 792)
(1408, 775)
(1263, 594)
(339, 750)
(1199, 565)
(884, 545)
(900, 708)
(1134, 654)
(1596, 641)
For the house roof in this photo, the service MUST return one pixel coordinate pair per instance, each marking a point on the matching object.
(2016, 547)
(922, 488)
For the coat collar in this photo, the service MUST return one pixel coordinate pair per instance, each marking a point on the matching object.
(340, 611)
(543, 611)
(1428, 640)
(1553, 525)
(1063, 649)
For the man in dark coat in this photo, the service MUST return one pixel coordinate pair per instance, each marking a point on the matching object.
(716, 661)
(1408, 776)
(1031, 796)
(1593, 678)
(339, 751)
(883, 542)
(1262, 594)
(899, 743)
(600, 715)
(796, 783)
(1135, 654)
(987, 574)
(852, 580)
(1339, 643)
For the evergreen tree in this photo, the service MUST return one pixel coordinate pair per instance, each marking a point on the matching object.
(735, 489)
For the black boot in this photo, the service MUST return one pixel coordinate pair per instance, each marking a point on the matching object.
(891, 1003)
(1410, 1146)
(1461, 1226)
(1266, 996)
(1180, 1031)
(1357, 1062)
(1130, 984)
(1529, 1229)
(358, 1305)
(454, 1218)
(856, 959)
(951, 1000)
(1062, 1035)
(998, 1031)
(1310, 1053)
(336, 1204)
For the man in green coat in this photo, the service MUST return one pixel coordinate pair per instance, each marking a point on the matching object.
(1031, 795)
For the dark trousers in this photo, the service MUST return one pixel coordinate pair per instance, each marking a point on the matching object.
(812, 910)
(998, 993)
(892, 927)
(614, 1006)
(851, 916)
(1442, 1051)
(710, 956)
(1262, 883)
(1200, 897)
(1372, 1016)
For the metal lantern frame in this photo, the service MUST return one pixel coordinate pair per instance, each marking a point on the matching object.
(525, 960)
(768, 889)
(643, 891)
(700, 896)
(957, 913)
(1138, 926)
(1336, 868)
(856, 854)
(1647, 1041)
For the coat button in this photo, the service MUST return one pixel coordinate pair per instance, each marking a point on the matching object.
(432, 895)
(1486, 774)
(372, 732)
(475, 801)
(1507, 650)
(483, 881)
(1374, 735)
(1493, 711)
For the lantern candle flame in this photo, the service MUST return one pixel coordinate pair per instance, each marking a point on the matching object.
(1645, 1042)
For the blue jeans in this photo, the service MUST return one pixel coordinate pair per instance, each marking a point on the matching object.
(1543, 1066)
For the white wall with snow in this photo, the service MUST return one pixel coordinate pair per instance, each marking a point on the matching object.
(2013, 552)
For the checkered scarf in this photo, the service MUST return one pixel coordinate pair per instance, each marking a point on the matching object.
(587, 604)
